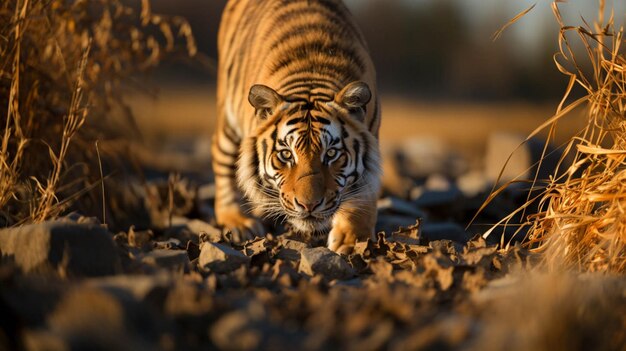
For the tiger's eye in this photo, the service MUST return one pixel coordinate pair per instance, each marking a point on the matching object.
(331, 153)
(285, 155)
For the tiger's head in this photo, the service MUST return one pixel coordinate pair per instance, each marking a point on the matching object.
(306, 157)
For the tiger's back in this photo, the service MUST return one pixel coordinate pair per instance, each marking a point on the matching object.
(297, 120)
(309, 48)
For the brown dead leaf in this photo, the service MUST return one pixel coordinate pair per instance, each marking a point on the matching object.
(410, 232)
(440, 270)
(475, 256)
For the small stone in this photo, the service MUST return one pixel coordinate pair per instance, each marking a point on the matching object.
(321, 260)
(170, 259)
(220, 258)
(169, 244)
(140, 239)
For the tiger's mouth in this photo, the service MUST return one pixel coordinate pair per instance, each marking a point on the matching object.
(314, 222)
(310, 224)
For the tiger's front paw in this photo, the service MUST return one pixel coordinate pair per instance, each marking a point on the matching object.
(239, 227)
(347, 231)
(341, 242)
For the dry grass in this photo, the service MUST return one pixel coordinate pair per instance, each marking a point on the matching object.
(61, 66)
(581, 222)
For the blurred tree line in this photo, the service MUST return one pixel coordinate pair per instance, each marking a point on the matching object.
(428, 51)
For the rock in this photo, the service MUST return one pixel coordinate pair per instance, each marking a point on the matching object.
(235, 331)
(290, 249)
(432, 231)
(220, 258)
(196, 230)
(80, 219)
(140, 238)
(169, 244)
(185, 229)
(321, 260)
(472, 183)
(424, 156)
(76, 249)
(499, 148)
(390, 223)
(524, 162)
(437, 182)
(170, 259)
(434, 198)
(92, 319)
(139, 286)
(398, 206)
(199, 227)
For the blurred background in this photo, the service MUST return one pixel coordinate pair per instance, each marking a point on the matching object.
(440, 73)
(453, 98)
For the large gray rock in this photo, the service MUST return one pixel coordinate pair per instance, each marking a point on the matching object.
(220, 258)
(77, 249)
(321, 260)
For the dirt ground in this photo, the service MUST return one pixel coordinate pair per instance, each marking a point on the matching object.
(173, 281)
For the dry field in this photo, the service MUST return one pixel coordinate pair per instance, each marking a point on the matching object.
(188, 111)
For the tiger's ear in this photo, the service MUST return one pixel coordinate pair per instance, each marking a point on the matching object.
(354, 95)
(264, 99)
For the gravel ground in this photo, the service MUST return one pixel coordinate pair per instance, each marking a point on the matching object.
(174, 282)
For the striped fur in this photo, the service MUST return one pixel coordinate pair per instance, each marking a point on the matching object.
(298, 119)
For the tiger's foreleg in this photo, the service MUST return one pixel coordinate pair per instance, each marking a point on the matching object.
(229, 205)
(354, 221)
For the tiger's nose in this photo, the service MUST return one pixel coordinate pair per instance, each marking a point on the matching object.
(309, 207)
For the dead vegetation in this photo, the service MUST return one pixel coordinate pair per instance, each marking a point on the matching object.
(62, 65)
(581, 223)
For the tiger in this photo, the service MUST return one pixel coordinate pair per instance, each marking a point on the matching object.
(298, 117)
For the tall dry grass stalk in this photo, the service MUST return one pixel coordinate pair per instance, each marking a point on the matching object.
(581, 222)
(61, 65)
